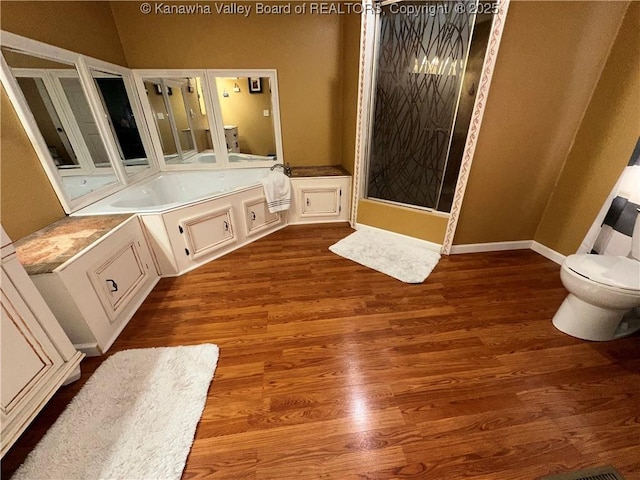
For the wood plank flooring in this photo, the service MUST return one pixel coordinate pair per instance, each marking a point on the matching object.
(329, 370)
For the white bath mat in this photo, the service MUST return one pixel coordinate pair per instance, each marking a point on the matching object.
(135, 418)
(389, 254)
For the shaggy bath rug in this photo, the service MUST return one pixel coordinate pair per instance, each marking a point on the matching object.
(389, 254)
(135, 418)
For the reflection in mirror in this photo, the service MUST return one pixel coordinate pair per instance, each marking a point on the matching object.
(179, 113)
(247, 114)
(58, 104)
(115, 100)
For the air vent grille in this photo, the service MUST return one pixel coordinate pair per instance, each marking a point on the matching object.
(599, 473)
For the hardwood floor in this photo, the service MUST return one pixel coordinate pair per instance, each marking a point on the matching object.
(329, 370)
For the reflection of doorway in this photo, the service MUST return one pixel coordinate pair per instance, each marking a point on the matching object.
(62, 114)
(173, 118)
(179, 111)
(80, 108)
(52, 129)
(57, 124)
(115, 101)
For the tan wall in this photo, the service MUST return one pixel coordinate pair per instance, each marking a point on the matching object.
(603, 145)
(80, 26)
(22, 210)
(407, 221)
(549, 62)
(28, 200)
(245, 111)
(350, 72)
(305, 50)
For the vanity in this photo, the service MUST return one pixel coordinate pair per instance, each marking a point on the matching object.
(93, 272)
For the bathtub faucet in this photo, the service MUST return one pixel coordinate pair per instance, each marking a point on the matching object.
(285, 168)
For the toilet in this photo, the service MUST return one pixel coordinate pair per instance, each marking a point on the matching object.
(604, 294)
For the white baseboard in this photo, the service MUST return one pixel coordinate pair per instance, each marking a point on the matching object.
(547, 252)
(436, 247)
(518, 245)
(491, 247)
(89, 349)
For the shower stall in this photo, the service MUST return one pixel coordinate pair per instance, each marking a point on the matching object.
(425, 65)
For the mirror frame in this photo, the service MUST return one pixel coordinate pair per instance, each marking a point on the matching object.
(214, 116)
(92, 64)
(83, 65)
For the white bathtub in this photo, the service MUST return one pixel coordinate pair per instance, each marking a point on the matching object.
(79, 185)
(210, 157)
(172, 189)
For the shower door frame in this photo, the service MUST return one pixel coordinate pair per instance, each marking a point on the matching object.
(369, 35)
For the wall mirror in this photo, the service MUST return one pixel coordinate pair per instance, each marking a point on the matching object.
(117, 101)
(246, 109)
(57, 101)
(178, 110)
(213, 118)
(98, 127)
(83, 118)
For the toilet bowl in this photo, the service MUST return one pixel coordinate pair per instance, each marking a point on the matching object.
(602, 290)
(604, 294)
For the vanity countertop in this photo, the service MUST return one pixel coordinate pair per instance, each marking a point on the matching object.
(326, 171)
(51, 246)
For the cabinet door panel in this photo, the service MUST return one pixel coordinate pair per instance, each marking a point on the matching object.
(257, 215)
(117, 278)
(208, 232)
(27, 353)
(20, 362)
(320, 201)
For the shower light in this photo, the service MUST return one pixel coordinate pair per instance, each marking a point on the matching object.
(436, 67)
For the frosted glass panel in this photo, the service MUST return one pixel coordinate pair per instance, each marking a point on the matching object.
(420, 67)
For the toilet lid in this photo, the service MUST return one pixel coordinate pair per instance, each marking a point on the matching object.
(621, 272)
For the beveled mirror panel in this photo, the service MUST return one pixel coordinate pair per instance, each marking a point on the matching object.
(123, 124)
(179, 113)
(58, 103)
(247, 116)
(212, 118)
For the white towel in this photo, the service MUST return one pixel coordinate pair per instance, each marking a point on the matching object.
(277, 191)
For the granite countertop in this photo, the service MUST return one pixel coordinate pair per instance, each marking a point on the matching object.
(51, 246)
(327, 171)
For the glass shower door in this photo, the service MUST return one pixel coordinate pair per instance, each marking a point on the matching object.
(421, 58)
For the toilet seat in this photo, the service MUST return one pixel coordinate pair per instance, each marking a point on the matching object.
(619, 272)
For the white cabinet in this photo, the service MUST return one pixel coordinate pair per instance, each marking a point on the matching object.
(198, 233)
(208, 232)
(231, 137)
(95, 293)
(191, 235)
(320, 199)
(257, 216)
(36, 357)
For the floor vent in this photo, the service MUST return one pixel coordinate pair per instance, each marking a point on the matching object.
(598, 473)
